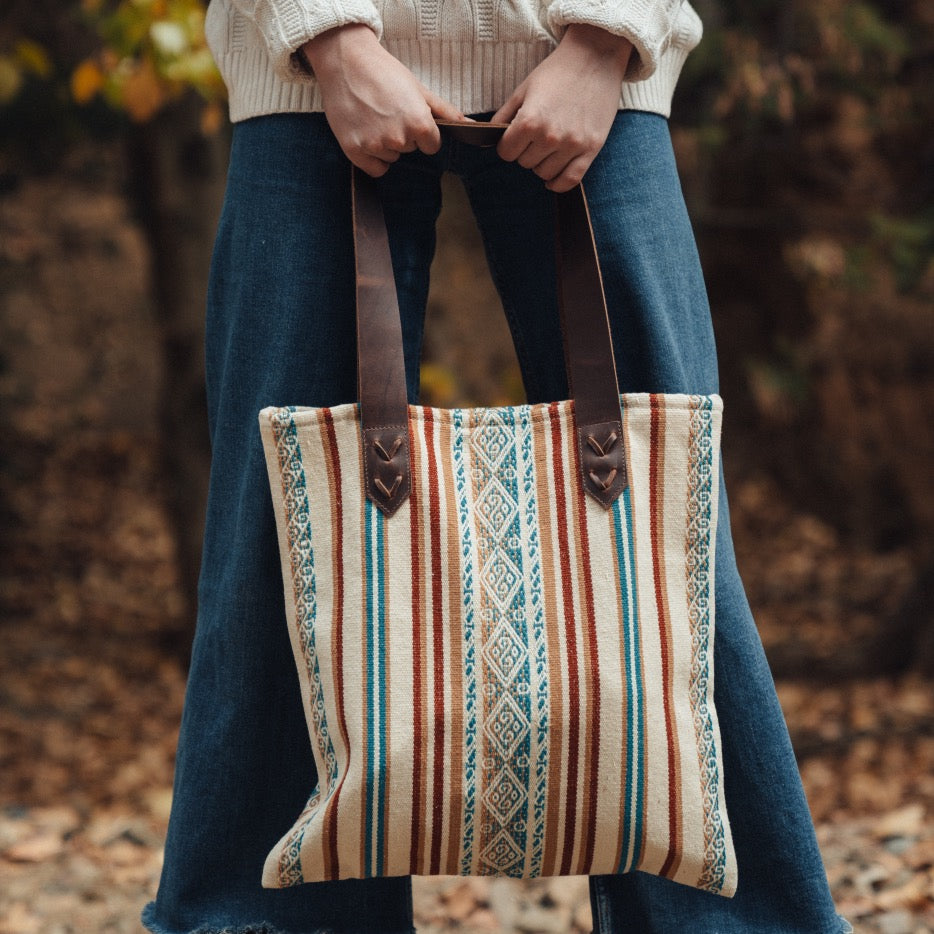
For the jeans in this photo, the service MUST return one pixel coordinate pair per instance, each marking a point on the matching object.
(281, 330)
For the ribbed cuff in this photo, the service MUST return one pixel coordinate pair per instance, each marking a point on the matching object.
(647, 24)
(286, 25)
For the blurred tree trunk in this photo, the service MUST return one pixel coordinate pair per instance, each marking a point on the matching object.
(176, 175)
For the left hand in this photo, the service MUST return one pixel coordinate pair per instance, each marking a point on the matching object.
(561, 115)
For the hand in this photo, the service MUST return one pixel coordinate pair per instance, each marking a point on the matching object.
(561, 115)
(375, 106)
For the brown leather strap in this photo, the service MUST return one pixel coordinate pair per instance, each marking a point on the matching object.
(588, 349)
(384, 408)
(588, 352)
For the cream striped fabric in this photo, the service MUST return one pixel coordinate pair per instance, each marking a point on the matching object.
(504, 678)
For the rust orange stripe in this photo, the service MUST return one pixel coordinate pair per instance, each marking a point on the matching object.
(591, 669)
(437, 634)
(569, 634)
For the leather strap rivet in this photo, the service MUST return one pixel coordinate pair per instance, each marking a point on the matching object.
(383, 453)
(603, 484)
(606, 447)
(385, 490)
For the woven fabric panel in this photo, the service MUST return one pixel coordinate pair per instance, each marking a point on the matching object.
(504, 678)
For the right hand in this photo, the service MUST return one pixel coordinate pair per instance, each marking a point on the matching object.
(374, 105)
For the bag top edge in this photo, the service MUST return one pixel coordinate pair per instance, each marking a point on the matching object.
(349, 411)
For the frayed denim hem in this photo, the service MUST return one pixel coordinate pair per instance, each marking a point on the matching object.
(261, 927)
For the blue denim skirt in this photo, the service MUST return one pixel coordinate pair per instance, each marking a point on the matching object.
(281, 329)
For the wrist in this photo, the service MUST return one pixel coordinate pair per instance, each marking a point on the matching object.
(613, 49)
(326, 51)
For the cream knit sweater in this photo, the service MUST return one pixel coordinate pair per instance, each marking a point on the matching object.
(473, 53)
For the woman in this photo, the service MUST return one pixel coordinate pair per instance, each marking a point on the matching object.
(586, 87)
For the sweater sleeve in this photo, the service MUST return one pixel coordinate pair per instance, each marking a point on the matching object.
(647, 24)
(286, 25)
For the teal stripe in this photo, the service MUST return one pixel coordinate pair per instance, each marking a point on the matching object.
(639, 721)
(633, 805)
(381, 689)
(370, 676)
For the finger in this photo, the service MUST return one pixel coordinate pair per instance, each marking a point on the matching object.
(383, 154)
(508, 111)
(371, 165)
(552, 166)
(520, 135)
(571, 174)
(442, 109)
(537, 152)
(427, 137)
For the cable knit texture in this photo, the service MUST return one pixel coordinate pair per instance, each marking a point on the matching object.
(473, 53)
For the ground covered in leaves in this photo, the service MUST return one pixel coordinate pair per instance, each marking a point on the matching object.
(91, 683)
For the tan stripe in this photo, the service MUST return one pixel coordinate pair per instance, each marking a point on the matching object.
(555, 719)
(570, 615)
(657, 453)
(455, 653)
(333, 468)
(386, 739)
(590, 713)
(418, 659)
(437, 636)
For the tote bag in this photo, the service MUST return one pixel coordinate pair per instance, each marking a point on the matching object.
(502, 618)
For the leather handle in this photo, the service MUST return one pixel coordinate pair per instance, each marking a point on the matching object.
(588, 348)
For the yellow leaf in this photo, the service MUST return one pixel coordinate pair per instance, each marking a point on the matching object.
(11, 80)
(86, 80)
(33, 58)
(143, 94)
(212, 117)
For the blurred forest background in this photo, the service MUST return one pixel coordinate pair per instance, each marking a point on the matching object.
(805, 136)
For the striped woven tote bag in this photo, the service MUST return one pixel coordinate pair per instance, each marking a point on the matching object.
(502, 618)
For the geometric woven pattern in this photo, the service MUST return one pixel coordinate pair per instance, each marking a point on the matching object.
(504, 678)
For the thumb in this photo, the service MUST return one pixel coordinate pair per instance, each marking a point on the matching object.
(506, 113)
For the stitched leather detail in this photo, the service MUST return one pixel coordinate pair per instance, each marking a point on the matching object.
(605, 483)
(387, 478)
(603, 449)
(390, 454)
(603, 464)
(389, 493)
